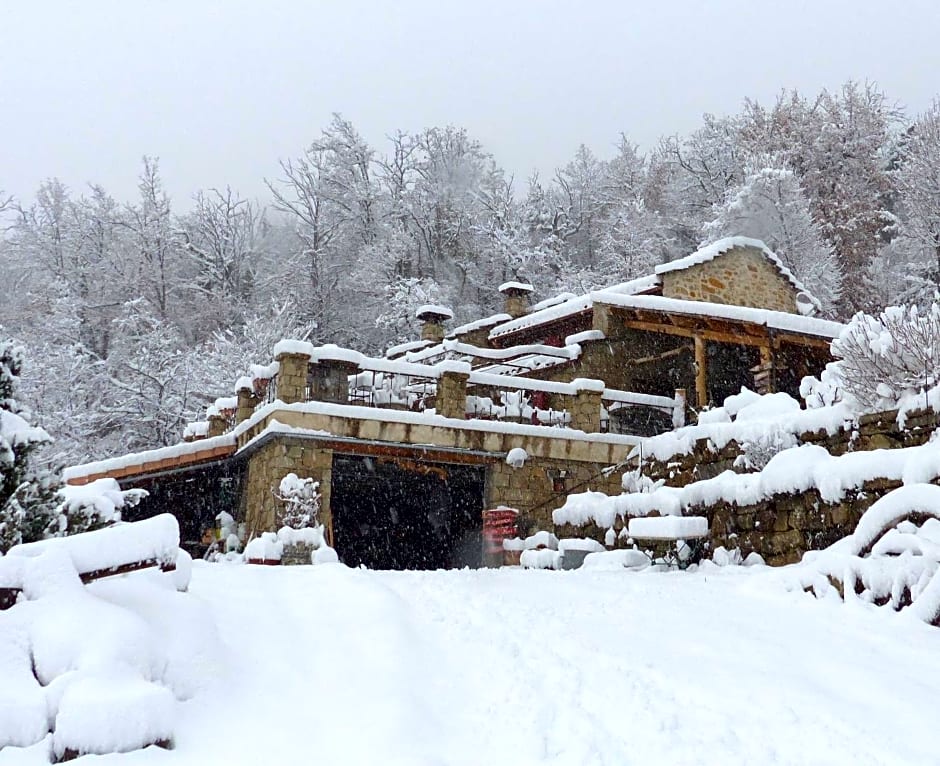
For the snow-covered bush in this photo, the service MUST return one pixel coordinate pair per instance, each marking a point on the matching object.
(301, 502)
(884, 358)
(892, 559)
(93, 506)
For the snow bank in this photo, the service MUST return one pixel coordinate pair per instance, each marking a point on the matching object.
(23, 718)
(113, 713)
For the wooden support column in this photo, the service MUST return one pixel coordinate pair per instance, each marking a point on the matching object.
(764, 372)
(701, 373)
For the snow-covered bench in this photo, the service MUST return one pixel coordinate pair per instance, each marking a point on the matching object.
(671, 540)
(117, 550)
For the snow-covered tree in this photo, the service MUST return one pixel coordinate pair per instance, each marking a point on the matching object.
(881, 359)
(918, 185)
(27, 492)
(770, 205)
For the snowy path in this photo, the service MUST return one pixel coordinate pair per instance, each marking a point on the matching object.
(339, 666)
(563, 668)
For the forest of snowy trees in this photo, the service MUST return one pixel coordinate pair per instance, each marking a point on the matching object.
(137, 313)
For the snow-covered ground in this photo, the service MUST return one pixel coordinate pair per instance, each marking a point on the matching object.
(337, 666)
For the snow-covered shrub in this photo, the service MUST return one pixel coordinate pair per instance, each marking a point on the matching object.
(883, 358)
(824, 391)
(892, 559)
(94, 505)
(301, 502)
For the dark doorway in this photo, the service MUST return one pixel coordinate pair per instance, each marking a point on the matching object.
(729, 369)
(391, 513)
(195, 496)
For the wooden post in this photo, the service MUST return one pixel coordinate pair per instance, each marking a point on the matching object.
(701, 373)
(764, 372)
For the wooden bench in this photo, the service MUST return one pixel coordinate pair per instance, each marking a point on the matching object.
(149, 544)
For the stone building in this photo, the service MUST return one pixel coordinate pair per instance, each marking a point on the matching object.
(410, 448)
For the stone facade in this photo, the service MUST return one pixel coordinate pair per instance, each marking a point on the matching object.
(272, 462)
(783, 527)
(542, 485)
(742, 276)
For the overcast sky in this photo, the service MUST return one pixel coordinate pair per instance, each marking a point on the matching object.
(221, 89)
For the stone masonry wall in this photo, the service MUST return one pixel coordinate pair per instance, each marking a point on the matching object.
(784, 527)
(530, 489)
(742, 276)
(271, 463)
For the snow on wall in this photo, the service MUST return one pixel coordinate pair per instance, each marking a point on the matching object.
(429, 418)
(716, 425)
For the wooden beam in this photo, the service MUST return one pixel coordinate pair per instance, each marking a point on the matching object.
(665, 355)
(701, 373)
(751, 335)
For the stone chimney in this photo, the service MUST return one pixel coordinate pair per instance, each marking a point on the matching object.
(432, 320)
(516, 298)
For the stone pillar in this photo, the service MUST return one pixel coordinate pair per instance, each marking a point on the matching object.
(247, 401)
(516, 298)
(292, 377)
(432, 320)
(217, 425)
(602, 320)
(450, 400)
(586, 405)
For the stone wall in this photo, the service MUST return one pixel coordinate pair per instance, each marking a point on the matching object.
(742, 277)
(784, 527)
(272, 462)
(531, 488)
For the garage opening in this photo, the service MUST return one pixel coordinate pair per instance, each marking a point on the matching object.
(393, 513)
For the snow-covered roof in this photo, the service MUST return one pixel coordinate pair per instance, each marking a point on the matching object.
(522, 287)
(553, 301)
(479, 324)
(554, 309)
(721, 246)
(433, 311)
(402, 348)
(778, 320)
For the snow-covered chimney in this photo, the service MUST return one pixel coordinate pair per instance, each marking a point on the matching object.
(432, 320)
(516, 298)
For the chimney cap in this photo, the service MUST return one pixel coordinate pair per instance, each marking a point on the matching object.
(433, 313)
(515, 288)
